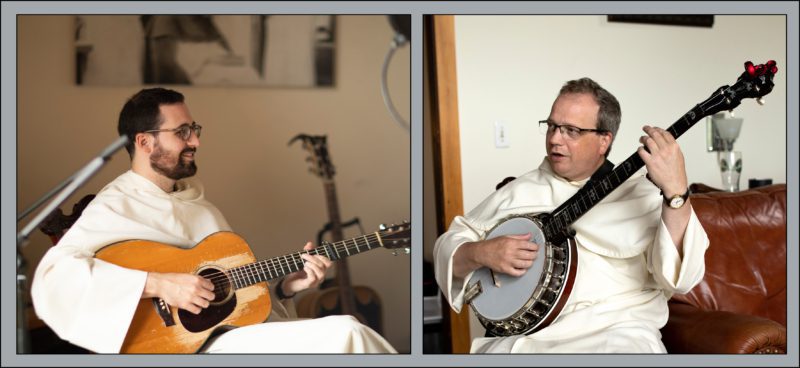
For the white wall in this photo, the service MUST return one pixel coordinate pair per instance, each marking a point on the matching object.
(259, 183)
(511, 67)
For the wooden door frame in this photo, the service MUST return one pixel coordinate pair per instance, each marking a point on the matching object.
(443, 98)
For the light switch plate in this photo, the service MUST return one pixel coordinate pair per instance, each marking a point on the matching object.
(501, 139)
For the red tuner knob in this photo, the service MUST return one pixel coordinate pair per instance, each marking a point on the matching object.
(772, 67)
(751, 69)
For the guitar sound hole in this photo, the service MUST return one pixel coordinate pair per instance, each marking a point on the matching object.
(222, 284)
(220, 308)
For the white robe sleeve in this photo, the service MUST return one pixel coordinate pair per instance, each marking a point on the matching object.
(85, 300)
(460, 232)
(673, 273)
(90, 302)
(473, 225)
(282, 310)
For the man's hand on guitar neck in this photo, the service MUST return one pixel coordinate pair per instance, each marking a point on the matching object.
(185, 291)
(312, 274)
(510, 254)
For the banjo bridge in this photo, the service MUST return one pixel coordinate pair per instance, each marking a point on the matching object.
(495, 279)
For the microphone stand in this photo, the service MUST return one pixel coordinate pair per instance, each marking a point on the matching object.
(64, 190)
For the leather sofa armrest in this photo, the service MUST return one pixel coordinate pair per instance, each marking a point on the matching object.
(694, 331)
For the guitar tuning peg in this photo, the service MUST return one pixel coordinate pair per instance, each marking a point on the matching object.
(760, 101)
(381, 227)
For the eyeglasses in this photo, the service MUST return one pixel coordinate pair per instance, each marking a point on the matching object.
(183, 132)
(568, 131)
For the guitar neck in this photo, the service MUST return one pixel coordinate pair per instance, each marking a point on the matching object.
(273, 268)
(333, 210)
(342, 270)
(556, 227)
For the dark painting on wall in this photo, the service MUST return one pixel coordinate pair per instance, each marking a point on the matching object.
(666, 19)
(227, 50)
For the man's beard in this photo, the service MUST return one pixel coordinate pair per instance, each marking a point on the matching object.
(172, 166)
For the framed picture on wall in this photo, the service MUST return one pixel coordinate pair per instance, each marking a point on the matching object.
(212, 50)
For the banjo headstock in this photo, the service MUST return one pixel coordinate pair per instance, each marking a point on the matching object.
(754, 82)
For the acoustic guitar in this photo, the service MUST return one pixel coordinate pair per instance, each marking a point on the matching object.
(240, 288)
(341, 298)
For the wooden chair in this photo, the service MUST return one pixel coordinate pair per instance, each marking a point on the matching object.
(57, 223)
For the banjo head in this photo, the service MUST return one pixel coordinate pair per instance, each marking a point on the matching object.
(508, 305)
(502, 294)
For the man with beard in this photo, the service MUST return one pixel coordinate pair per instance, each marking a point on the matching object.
(91, 302)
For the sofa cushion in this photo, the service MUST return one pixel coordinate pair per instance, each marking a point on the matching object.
(746, 259)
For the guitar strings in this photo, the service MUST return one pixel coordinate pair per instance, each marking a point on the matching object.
(251, 271)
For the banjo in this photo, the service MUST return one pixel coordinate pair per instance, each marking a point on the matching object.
(532, 301)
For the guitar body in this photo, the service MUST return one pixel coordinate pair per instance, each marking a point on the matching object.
(327, 302)
(240, 284)
(148, 332)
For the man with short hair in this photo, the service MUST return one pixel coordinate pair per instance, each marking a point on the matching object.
(91, 302)
(635, 248)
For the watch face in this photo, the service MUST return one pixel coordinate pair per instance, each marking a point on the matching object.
(676, 202)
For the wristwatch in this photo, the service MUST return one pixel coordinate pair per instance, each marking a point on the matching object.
(677, 200)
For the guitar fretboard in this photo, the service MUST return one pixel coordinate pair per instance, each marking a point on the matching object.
(556, 226)
(274, 268)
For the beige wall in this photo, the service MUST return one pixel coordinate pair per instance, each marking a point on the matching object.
(259, 183)
(657, 73)
(510, 68)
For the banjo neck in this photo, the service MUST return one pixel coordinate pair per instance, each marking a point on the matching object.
(557, 226)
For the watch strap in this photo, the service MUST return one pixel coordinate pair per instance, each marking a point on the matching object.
(685, 196)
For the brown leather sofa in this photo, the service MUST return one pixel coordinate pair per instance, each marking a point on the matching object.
(740, 305)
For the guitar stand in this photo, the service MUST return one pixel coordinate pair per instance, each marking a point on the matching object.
(61, 193)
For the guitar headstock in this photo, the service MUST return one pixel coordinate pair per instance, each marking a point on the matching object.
(317, 147)
(396, 237)
(755, 82)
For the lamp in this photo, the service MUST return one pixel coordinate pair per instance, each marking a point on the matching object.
(726, 129)
(725, 132)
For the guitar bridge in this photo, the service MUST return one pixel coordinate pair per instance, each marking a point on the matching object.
(162, 308)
